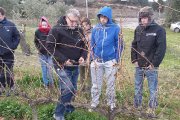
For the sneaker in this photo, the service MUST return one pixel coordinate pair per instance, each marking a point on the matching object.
(14, 90)
(112, 107)
(151, 112)
(45, 86)
(58, 117)
(1, 91)
(11, 91)
(69, 108)
(139, 108)
(51, 85)
(92, 108)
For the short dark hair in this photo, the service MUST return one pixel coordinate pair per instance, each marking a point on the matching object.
(2, 11)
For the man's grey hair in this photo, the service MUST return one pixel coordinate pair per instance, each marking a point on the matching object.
(73, 12)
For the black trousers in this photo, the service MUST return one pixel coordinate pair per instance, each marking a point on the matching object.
(6, 70)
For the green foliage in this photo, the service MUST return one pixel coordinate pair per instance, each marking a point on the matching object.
(8, 5)
(69, 2)
(51, 1)
(11, 109)
(139, 2)
(81, 114)
(34, 8)
(120, 97)
(143, 2)
(156, 6)
(45, 112)
(172, 15)
(133, 2)
(38, 8)
(125, 96)
(28, 79)
(168, 87)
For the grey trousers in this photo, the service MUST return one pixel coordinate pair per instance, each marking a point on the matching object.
(98, 71)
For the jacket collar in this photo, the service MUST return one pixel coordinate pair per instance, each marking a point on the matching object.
(149, 25)
(3, 21)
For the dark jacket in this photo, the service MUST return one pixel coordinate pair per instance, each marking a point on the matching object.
(9, 37)
(149, 45)
(64, 43)
(40, 41)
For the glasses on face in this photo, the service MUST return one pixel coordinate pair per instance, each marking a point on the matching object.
(73, 21)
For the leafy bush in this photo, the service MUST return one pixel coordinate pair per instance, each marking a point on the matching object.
(45, 112)
(9, 109)
(69, 2)
(81, 114)
(8, 5)
(38, 8)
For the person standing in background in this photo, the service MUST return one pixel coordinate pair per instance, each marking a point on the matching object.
(9, 41)
(85, 70)
(45, 59)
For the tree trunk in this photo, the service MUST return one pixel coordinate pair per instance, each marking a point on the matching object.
(24, 46)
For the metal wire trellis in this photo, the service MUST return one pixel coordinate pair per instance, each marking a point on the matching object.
(35, 94)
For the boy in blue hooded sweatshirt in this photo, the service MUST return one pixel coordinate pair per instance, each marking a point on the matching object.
(105, 54)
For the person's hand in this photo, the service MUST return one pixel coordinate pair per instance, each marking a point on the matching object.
(136, 64)
(81, 60)
(68, 62)
(150, 67)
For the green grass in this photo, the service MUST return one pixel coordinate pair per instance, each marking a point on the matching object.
(28, 78)
(81, 114)
(10, 108)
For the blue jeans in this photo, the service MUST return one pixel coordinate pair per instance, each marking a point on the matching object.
(68, 86)
(152, 77)
(46, 66)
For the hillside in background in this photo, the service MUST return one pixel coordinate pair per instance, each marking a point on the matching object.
(119, 10)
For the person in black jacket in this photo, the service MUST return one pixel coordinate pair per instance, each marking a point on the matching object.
(9, 40)
(147, 52)
(67, 46)
(45, 59)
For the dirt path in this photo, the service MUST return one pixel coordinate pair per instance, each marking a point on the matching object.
(130, 23)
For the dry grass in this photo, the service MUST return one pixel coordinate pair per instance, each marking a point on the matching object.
(27, 69)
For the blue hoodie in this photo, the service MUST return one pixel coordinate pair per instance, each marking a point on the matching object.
(104, 38)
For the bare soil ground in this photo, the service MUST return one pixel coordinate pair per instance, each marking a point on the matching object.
(128, 14)
(118, 9)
